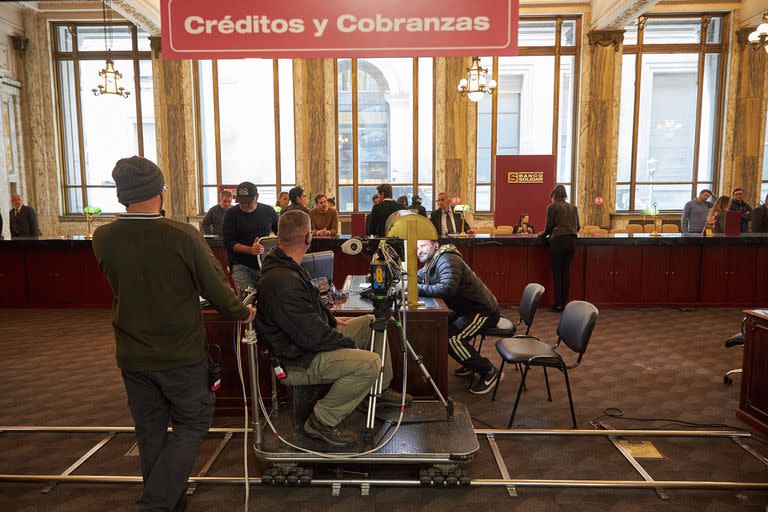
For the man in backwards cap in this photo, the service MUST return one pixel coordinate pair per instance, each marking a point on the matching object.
(158, 268)
(243, 226)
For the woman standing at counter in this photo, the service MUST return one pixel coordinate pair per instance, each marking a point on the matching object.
(716, 218)
(561, 230)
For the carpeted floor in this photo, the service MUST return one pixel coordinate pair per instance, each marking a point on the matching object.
(57, 368)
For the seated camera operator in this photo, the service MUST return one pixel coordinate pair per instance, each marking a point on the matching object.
(446, 276)
(312, 345)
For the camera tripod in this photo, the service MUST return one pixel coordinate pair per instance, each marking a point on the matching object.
(382, 311)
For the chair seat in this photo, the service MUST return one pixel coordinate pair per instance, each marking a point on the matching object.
(521, 349)
(504, 329)
(736, 339)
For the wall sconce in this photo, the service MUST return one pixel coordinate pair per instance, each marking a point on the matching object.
(759, 38)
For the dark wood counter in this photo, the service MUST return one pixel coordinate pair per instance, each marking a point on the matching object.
(619, 270)
(753, 404)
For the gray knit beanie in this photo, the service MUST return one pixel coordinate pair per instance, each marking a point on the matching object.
(137, 180)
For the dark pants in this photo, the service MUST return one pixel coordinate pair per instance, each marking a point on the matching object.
(561, 251)
(182, 397)
(462, 329)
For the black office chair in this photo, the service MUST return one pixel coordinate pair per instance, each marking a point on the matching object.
(529, 303)
(574, 330)
(734, 341)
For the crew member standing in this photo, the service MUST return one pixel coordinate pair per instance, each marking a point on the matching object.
(158, 269)
(243, 226)
(561, 231)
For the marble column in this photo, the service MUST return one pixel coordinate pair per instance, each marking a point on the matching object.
(746, 119)
(315, 124)
(455, 131)
(174, 122)
(42, 171)
(599, 126)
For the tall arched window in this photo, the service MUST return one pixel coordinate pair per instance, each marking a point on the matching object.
(384, 129)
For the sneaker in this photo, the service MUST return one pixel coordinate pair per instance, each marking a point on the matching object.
(336, 436)
(390, 397)
(485, 384)
(463, 372)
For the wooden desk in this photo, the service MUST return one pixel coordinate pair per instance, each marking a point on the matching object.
(753, 405)
(427, 331)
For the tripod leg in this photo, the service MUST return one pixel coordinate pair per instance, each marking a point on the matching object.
(376, 389)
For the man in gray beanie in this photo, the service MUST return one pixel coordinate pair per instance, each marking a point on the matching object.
(158, 269)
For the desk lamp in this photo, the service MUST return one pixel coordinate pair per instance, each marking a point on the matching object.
(89, 212)
(653, 213)
(463, 209)
(411, 227)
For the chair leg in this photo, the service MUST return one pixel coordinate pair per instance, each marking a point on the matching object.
(570, 398)
(517, 399)
(482, 339)
(496, 386)
(546, 379)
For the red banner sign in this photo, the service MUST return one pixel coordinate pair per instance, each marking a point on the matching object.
(523, 184)
(220, 29)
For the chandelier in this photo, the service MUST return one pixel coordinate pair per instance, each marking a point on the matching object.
(759, 38)
(109, 75)
(476, 85)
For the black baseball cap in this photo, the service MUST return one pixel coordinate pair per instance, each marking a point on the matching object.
(246, 191)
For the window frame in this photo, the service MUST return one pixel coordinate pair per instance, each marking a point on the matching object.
(201, 186)
(702, 49)
(558, 50)
(76, 56)
(415, 184)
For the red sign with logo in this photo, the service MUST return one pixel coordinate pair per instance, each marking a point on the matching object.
(220, 29)
(523, 184)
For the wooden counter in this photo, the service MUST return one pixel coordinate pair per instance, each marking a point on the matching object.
(753, 404)
(616, 270)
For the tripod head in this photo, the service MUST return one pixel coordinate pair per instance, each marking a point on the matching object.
(384, 273)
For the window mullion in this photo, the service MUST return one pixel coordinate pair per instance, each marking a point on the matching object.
(699, 101)
(494, 133)
(635, 114)
(137, 87)
(278, 163)
(355, 151)
(78, 104)
(216, 120)
(415, 112)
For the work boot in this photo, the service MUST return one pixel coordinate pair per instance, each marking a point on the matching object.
(391, 398)
(338, 435)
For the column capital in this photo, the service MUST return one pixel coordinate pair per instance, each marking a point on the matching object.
(20, 43)
(155, 43)
(606, 37)
(742, 35)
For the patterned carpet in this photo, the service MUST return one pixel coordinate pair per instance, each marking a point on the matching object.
(58, 368)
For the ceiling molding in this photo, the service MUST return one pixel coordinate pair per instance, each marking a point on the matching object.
(142, 13)
(618, 14)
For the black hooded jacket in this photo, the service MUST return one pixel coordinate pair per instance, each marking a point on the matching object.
(291, 319)
(447, 277)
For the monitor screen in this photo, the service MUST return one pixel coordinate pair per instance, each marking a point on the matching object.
(319, 264)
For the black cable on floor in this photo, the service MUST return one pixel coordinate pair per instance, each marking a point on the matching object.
(618, 414)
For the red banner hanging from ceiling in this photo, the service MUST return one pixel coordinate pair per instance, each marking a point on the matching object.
(220, 29)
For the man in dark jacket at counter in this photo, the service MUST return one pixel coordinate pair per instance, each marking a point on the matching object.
(23, 218)
(158, 269)
(739, 205)
(445, 220)
(446, 276)
(377, 220)
(311, 345)
(214, 219)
